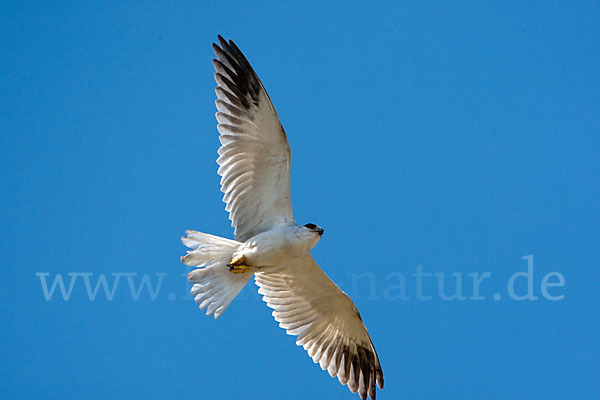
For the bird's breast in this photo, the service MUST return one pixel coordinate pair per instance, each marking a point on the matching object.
(275, 247)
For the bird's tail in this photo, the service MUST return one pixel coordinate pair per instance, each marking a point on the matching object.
(214, 286)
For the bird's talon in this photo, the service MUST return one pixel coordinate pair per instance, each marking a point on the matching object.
(238, 260)
(238, 268)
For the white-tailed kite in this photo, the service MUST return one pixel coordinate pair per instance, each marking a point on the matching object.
(254, 165)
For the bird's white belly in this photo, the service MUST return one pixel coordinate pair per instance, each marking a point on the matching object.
(274, 247)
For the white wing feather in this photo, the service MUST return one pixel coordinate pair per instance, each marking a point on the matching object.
(254, 158)
(308, 304)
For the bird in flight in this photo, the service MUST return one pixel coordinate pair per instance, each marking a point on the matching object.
(254, 165)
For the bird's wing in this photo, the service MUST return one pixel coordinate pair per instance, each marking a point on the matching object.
(308, 304)
(254, 157)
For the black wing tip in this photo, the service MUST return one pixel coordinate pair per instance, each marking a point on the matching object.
(369, 361)
(222, 40)
(220, 47)
(240, 78)
(232, 50)
(369, 375)
(379, 377)
(225, 45)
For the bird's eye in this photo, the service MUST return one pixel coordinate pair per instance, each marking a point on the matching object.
(311, 226)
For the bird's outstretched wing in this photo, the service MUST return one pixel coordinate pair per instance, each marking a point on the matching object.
(308, 304)
(254, 157)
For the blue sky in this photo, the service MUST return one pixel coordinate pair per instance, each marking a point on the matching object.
(454, 138)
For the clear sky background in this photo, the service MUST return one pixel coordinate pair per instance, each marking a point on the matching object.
(455, 137)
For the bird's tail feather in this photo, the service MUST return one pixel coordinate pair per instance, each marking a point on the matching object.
(214, 286)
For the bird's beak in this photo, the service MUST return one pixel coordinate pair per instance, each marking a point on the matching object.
(320, 231)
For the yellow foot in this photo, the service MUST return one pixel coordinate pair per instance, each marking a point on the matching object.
(237, 266)
(238, 269)
(237, 260)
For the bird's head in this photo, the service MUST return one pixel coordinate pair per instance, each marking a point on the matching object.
(314, 229)
(310, 234)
